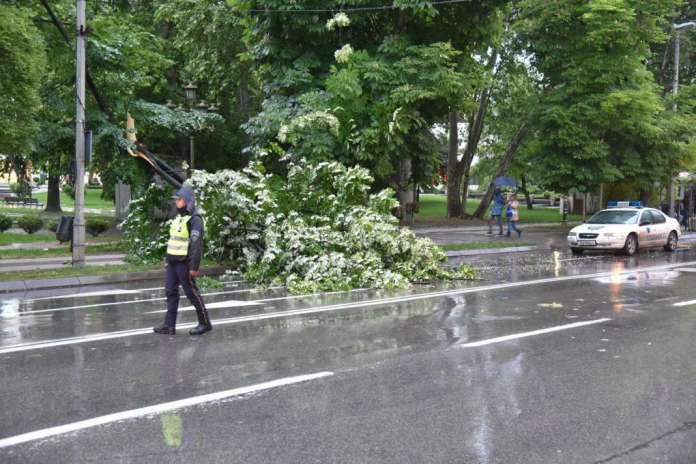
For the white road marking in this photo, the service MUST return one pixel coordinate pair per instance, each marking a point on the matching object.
(223, 304)
(157, 409)
(685, 303)
(256, 302)
(533, 333)
(87, 294)
(116, 303)
(320, 309)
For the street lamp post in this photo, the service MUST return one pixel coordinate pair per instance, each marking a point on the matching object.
(675, 91)
(191, 91)
(191, 95)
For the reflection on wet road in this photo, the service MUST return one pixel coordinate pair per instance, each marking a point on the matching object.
(547, 359)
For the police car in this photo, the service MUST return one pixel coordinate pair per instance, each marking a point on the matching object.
(625, 226)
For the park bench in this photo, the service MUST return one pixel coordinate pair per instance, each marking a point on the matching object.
(22, 203)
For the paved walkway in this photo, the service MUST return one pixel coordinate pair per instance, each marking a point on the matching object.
(534, 237)
(28, 264)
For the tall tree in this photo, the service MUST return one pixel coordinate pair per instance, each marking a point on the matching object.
(603, 119)
(398, 96)
(22, 68)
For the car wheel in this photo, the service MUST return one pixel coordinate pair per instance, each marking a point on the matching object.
(672, 242)
(577, 251)
(631, 245)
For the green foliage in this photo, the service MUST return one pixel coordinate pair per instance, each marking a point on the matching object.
(313, 228)
(5, 222)
(69, 190)
(144, 237)
(30, 223)
(97, 226)
(366, 88)
(23, 67)
(602, 119)
(21, 189)
(52, 225)
(316, 228)
(208, 283)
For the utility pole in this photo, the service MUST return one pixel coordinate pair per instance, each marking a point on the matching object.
(78, 254)
(675, 92)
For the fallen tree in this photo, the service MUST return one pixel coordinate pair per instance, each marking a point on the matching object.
(313, 227)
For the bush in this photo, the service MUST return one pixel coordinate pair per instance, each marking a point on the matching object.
(52, 225)
(69, 190)
(22, 189)
(30, 223)
(97, 226)
(5, 222)
(208, 283)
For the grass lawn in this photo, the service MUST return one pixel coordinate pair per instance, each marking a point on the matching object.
(434, 207)
(107, 248)
(8, 238)
(85, 271)
(15, 212)
(483, 245)
(92, 200)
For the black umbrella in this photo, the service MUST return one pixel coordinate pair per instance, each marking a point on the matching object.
(504, 181)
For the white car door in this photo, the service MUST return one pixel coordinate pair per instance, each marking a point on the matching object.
(660, 228)
(645, 236)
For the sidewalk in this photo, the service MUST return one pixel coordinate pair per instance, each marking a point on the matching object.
(47, 245)
(535, 237)
(28, 264)
(11, 286)
(532, 234)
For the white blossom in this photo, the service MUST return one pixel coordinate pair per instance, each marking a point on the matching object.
(343, 54)
(339, 20)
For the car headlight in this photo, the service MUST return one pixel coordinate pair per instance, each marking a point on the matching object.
(572, 234)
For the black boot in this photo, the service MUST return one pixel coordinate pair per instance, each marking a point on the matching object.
(200, 329)
(164, 330)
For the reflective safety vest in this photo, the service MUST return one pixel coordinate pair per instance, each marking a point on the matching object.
(178, 236)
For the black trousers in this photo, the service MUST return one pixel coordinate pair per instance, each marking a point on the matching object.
(178, 274)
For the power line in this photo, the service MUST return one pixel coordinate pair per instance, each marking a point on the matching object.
(354, 9)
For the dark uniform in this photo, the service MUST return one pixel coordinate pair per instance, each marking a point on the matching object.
(184, 252)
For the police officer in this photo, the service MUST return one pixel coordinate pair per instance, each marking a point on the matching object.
(184, 252)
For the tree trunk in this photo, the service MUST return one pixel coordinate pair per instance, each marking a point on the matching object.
(645, 196)
(502, 168)
(53, 196)
(404, 191)
(454, 173)
(527, 197)
(465, 188)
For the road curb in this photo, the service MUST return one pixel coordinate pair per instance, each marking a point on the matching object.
(490, 251)
(424, 230)
(10, 286)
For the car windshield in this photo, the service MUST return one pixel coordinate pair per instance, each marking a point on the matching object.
(614, 217)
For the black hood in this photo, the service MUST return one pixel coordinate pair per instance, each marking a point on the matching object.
(186, 192)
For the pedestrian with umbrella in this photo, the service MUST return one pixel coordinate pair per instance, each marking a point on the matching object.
(496, 212)
(513, 216)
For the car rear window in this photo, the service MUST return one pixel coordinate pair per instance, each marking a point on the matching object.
(658, 217)
(614, 217)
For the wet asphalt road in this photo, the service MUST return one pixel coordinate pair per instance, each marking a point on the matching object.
(417, 376)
